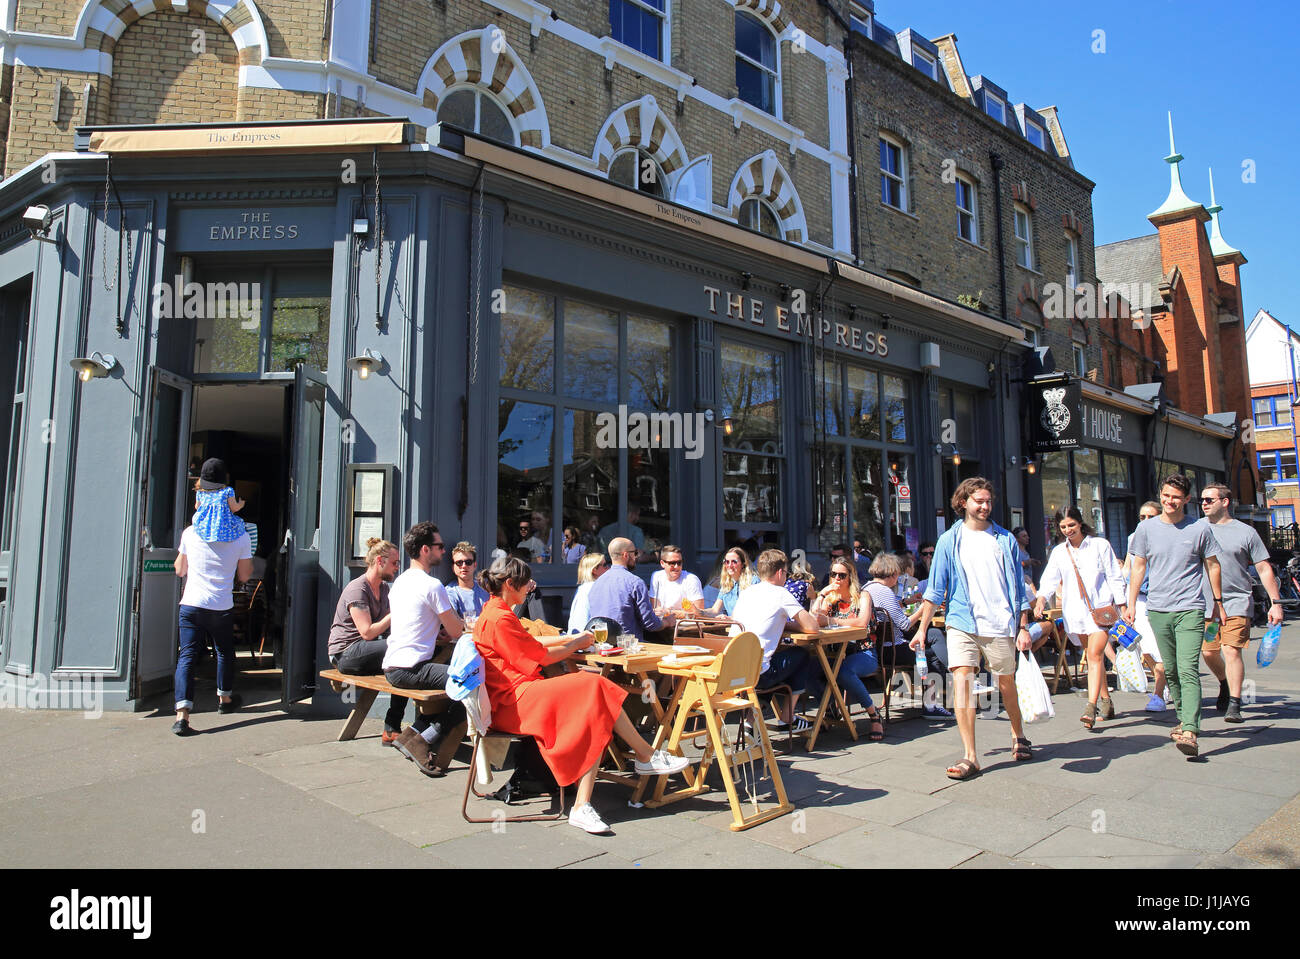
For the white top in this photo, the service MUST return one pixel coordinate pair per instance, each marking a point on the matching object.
(1101, 577)
(981, 560)
(579, 609)
(763, 610)
(415, 600)
(669, 594)
(211, 574)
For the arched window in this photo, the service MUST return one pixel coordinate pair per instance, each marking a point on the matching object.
(637, 170)
(757, 72)
(473, 110)
(758, 215)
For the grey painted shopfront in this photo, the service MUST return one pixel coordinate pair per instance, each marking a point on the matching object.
(508, 308)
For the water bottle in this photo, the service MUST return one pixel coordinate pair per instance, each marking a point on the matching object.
(922, 670)
(1212, 632)
(1267, 651)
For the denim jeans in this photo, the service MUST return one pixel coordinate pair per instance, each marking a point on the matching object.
(855, 668)
(366, 658)
(428, 675)
(788, 666)
(197, 626)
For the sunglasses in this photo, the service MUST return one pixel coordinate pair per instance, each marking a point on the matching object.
(438, 545)
(927, 552)
(839, 575)
(463, 562)
(1210, 499)
(671, 562)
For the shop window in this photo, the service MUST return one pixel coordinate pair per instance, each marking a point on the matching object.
(864, 403)
(967, 211)
(895, 405)
(753, 456)
(640, 24)
(903, 513)
(473, 110)
(1024, 237)
(758, 215)
(243, 331)
(1087, 488)
(1054, 468)
(868, 499)
(15, 306)
(637, 170)
(1117, 472)
(893, 173)
(757, 77)
(575, 363)
(300, 320)
(958, 408)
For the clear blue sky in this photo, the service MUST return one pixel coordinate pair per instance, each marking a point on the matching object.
(1221, 69)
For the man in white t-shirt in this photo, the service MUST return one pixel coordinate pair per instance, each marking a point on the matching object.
(206, 612)
(418, 606)
(977, 577)
(766, 609)
(671, 584)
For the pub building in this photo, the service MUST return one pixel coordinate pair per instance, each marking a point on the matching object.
(372, 331)
(1112, 452)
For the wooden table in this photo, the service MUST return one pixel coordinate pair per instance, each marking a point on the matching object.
(831, 636)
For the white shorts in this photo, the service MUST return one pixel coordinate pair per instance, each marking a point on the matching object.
(1143, 625)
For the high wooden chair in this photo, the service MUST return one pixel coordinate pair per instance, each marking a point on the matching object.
(714, 687)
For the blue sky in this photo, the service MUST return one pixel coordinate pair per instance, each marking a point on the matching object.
(1219, 68)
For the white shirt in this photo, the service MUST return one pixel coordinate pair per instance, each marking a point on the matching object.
(579, 609)
(1101, 577)
(415, 600)
(764, 609)
(982, 561)
(669, 594)
(211, 570)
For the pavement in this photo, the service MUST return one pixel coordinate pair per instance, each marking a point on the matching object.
(263, 787)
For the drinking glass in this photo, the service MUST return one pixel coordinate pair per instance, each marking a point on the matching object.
(601, 633)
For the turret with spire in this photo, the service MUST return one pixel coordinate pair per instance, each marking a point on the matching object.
(1219, 247)
(1177, 201)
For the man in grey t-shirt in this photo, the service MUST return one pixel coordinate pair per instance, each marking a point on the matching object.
(1172, 548)
(1239, 548)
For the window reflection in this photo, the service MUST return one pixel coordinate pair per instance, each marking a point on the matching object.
(527, 341)
(649, 363)
(868, 505)
(590, 479)
(590, 352)
(864, 404)
(751, 397)
(524, 477)
(895, 402)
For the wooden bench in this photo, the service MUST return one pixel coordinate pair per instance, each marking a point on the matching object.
(369, 687)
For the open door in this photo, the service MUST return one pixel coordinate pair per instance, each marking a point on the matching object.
(300, 552)
(162, 501)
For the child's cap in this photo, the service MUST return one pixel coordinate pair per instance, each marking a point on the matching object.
(213, 474)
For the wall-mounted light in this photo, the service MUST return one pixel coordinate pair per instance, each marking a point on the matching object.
(727, 425)
(360, 226)
(94, 365)
(1030, 466)
(956, 456)
(38, 220)
(785, 291)
(368, 362)
(744, 280)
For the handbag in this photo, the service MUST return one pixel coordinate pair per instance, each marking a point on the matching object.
(1104, 616)
(1031, 691)
(1128, 667)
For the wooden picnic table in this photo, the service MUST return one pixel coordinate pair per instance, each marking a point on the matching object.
(832, 636)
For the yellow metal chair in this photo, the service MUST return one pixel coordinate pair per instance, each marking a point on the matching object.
(715, 687)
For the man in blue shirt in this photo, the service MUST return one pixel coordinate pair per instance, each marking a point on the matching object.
(623, 596)
(977, 578)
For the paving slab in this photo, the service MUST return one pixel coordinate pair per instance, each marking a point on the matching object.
(1276, 842)
(730, 851)
(1183, 861)
(890, 805)
(517, 846)
(874, 846)
(791, 832)
(994, 830)
(1206, 832)
(426, 824)
(992, 860)
(1022, 796)
(1230, 860)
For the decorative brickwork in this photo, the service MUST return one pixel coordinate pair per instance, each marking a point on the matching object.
(763, 177)
(641, 124)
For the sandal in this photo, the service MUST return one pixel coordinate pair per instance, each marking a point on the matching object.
(877, 728)
(964, 769)
(1107, 705)
(1020, 750)
(1186, 743)
(1089, 717)
(1176, 732)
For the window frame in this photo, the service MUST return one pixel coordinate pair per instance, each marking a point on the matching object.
(762, 204)
(1042, 134)
(931, 68)
(860, 19)
(1079, 353)
(641, 155)
(1002, 107)
(900, 177)
(972, 213)
(1071, 261)
(774, 71)
(479, 94)
(1025, 242)
(665, 31)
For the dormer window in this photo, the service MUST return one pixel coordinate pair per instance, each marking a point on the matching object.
(995, 108)
(1035, 134)
(925, 63)
(860, 19)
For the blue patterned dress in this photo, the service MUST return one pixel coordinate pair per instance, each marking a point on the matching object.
(213, 520)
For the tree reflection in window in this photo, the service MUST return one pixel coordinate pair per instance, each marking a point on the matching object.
(527, 340)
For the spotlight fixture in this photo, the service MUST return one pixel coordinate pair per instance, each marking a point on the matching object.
(360, 226)
(38, 219)
(368, 362)
(785, 291)
(95, 365)
(744, 280)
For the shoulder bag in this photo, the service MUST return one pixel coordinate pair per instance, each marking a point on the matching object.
(1104, 616)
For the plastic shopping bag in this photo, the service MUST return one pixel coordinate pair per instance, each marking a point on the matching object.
(1267, 651)
(1031, 690)
(1128, 667)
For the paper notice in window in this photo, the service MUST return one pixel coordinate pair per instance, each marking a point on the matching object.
(369, 493)
(363, 528)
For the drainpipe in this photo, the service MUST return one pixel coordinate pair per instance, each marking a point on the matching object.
(996, 162)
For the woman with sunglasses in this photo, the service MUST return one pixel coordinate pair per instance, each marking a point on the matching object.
(573, 717)
(1083, 559)
(590, 568)
(847, 604)
(737, 575)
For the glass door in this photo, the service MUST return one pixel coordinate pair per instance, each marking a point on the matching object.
(300, 551)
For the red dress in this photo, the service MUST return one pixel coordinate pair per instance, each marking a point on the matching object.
(572, 716)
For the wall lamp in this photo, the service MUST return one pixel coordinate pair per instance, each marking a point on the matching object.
(96, 364)
(726, 423)
(955, 456)
(38, 220)
(368, 362)
(1025, 462)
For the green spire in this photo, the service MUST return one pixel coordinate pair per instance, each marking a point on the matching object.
(1218, 246)
(1177, 201)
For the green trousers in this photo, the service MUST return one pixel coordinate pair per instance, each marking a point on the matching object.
(1179, 636)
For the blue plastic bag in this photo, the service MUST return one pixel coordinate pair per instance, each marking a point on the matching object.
(1268, 647)
(1124, 634)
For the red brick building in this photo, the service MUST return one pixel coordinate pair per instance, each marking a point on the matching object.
(1271, 348)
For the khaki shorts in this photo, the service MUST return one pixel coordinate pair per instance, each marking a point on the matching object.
(964, 650)
(1235, 633)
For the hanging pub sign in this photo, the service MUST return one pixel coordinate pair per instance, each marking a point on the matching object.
(1054, 411)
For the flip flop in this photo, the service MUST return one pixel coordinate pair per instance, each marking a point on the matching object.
(965, 770)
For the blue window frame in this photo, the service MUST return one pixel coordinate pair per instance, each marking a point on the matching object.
(1271, 411)
(1277, 465)
(639, 24)
(1283, 516)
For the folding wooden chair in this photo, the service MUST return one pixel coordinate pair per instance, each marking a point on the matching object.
(715, 687)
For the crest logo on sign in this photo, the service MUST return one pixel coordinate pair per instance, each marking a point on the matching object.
(1056, 415)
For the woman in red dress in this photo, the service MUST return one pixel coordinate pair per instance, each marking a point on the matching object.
(571, 716)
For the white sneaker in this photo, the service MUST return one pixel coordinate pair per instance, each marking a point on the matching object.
(585, 817)
(662, 764)
(1155, 704)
